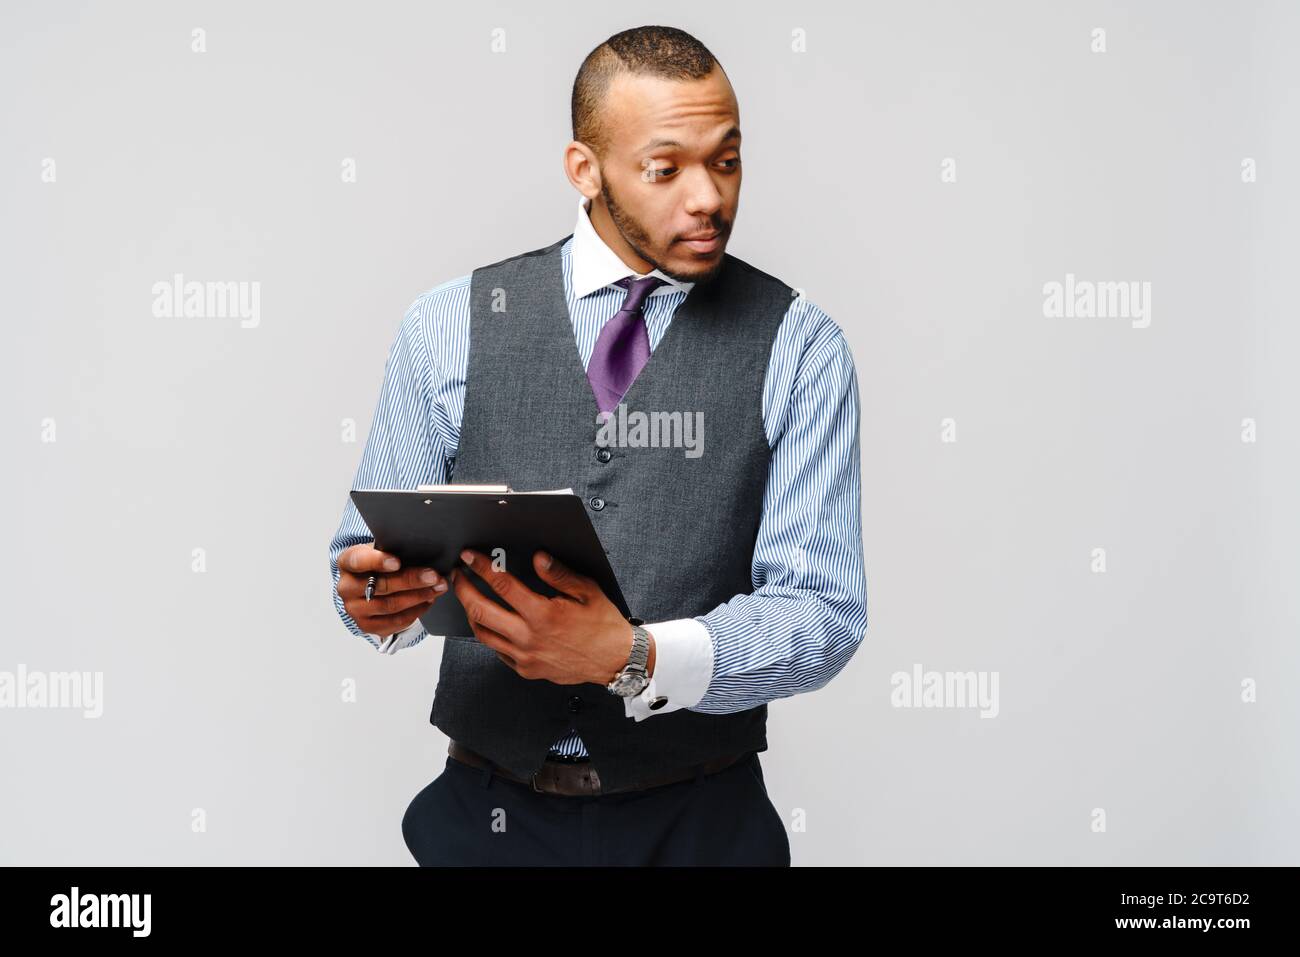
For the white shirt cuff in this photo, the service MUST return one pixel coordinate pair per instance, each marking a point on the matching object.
(683, 668)
(398, 639)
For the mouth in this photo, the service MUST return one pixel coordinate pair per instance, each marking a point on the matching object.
(703, 242)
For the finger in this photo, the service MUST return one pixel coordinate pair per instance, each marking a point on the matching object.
(520, 597)
(500, 644)
(481, 610)
(390, 604)
(354, 586)
(391, 624)
(364, 558)
(417, 578)
(497, 642)
(563, 578)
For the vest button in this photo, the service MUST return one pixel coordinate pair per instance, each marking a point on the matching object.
(603, 455)
(575, 704)
(597, 502)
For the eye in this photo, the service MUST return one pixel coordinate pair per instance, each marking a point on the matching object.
(665, 171)
(735, 161)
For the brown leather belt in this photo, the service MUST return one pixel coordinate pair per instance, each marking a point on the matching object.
(579, 778)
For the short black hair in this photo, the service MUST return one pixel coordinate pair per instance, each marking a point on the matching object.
(656, 51)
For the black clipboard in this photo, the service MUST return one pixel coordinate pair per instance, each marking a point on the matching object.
(430, 529)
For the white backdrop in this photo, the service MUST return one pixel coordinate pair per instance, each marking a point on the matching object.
(922, 171)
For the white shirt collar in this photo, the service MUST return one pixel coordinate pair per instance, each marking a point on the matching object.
(594, 265)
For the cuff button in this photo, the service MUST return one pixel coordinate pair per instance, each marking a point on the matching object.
(658, 703)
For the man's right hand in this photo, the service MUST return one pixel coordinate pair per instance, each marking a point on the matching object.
(401, 595)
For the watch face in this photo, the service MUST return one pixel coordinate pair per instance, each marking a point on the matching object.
(628, 685)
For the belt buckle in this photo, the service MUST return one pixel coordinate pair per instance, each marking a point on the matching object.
(595, 788)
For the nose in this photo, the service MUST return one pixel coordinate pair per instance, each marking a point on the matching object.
(703, 200)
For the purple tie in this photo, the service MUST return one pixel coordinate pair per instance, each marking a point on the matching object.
(623, 347)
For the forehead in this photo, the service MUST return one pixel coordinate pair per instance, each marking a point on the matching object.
(642, 107)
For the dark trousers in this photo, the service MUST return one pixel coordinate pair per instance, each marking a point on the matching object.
(470, 816)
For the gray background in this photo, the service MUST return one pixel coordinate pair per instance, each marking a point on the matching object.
(222, 690)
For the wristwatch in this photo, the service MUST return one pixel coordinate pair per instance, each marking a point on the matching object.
(633, 679)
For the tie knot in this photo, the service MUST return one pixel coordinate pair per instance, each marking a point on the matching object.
(649, 282)
(638, 290)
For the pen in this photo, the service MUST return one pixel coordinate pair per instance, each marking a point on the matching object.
(370, 587)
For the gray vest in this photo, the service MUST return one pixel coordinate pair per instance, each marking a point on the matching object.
(679, 531)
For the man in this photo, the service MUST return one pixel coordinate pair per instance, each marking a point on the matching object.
(578, 736)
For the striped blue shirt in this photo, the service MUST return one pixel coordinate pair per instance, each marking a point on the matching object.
(807, 613)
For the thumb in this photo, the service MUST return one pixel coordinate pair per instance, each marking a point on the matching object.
(561, 577)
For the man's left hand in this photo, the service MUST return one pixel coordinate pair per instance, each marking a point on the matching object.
(575, 637)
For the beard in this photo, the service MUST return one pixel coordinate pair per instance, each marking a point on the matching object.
(635, 235)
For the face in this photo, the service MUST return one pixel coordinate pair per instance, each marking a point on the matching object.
(669, 184)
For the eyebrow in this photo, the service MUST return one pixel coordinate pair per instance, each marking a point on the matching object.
(731, 134)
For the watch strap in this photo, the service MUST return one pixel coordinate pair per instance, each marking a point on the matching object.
(640, 655)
